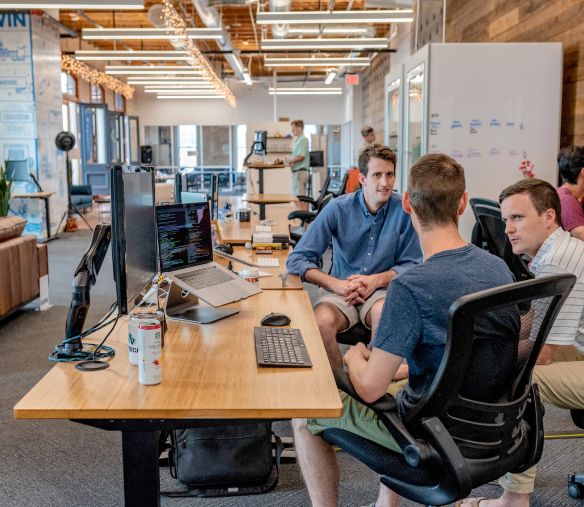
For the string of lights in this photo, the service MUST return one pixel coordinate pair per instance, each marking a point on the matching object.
(95, 76)
(175, 22)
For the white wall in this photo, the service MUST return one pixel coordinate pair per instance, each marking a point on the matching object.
(254, 105)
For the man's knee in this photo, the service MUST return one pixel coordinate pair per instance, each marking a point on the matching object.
(299, 426)
(330, 319)
(375, 312)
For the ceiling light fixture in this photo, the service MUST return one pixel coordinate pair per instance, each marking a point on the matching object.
(305, 91)
(327, 30)
(330, 77)
(186, 91)
(147, 73)
(75, 4)
(177, 97)
(317, 62)
(193, 86)
(344, 43)
(148, 33)
(247, 78)
(327, 17)
(92, 55)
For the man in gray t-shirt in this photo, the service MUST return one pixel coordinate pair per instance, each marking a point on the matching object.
(413, 325)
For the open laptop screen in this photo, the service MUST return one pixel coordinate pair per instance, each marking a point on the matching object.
(184, 235)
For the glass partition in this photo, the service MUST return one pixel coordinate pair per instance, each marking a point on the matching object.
(215, 145)
(415, 113)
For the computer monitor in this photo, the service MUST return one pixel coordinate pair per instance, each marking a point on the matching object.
(133, 233)
(260, 142)
(214, 202)
(190, 197)
(316, 159)
(17, 170)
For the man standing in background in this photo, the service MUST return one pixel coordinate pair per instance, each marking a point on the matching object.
(299, 163)
(368, 137)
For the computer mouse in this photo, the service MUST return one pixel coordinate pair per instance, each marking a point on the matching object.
(225, 248)
(275, 319)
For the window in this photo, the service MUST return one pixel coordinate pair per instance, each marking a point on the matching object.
(97, 94)
(119, 103)
(68, 85)
(242, 148)
(187, 145)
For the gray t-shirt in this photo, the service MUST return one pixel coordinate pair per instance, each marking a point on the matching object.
(414, 321)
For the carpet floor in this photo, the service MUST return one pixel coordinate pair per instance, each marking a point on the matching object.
(64, 464)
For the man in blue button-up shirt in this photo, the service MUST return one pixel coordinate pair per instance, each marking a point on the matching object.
(373, 240)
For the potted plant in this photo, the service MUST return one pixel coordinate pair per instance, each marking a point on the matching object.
(5, 188)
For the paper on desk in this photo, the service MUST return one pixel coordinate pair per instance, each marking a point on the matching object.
(264, 274)
(263, 228)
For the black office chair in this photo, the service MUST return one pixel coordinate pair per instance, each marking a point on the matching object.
(576, 481)
(453, 442)
(306, 218)
(316, 203)
(492, 229)
(476, 235)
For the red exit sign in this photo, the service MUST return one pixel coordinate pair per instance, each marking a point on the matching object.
(352, 79)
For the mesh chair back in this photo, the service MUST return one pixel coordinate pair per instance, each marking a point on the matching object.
(323, 193)
(482, 391)
(493, 232)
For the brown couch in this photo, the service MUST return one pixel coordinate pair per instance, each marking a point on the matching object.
(22, 263)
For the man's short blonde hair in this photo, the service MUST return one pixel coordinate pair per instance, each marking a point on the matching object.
(297, 123)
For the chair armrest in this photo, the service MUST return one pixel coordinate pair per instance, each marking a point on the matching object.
(415, 452)
(305, 198)
(305, 216)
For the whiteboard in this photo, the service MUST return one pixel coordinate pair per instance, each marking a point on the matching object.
(492, 106)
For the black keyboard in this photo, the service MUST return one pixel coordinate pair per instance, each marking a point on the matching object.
(203, 278)
(280, 346)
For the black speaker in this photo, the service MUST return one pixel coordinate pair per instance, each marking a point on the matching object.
(146, 154)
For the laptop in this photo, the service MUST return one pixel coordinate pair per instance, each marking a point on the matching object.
(185, 252)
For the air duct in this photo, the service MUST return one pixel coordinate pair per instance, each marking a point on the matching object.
(210, 18)
(280, 31)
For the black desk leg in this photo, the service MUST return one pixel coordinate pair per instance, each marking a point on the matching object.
(48, 217)
(262, 211)
(141, 473)
(261, 180)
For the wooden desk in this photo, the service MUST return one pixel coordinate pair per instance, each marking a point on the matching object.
(263, 199)
(45, 197)
(293, 282)
(261, 168)
(209, 372)
(239, 233)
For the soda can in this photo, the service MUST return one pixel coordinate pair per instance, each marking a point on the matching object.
(135, 319)
(149, 352)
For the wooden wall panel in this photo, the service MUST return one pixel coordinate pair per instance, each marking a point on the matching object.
(530, 21)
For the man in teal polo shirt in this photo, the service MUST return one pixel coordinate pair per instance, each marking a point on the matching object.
(299, 162)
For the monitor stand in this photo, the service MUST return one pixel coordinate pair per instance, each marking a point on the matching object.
(182, 305)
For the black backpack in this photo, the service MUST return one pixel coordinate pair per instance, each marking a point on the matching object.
(225, 460)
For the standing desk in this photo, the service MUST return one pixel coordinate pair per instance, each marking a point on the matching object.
(209, 373)
(261, 168)
(263, 199)
(239, 233)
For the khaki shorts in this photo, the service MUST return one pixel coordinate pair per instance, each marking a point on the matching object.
(360, 420)
(299, 181)
(354, 314)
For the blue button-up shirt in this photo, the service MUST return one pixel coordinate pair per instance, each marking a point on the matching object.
(363, 243)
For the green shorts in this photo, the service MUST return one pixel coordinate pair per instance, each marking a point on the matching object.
(360, 420)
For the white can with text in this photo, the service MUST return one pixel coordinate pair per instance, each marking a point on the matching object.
(149, 352)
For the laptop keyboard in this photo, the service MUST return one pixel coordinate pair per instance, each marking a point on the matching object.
(280, 346)
(206, 277)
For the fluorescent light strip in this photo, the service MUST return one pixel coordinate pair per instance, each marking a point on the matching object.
(75, 4)
(363, 43)
(326, 17)
(298, 88)
(317, 62)
(164, 82)
(148, 33)
(247, 78)
(196, 86)
(330, 77)
(306, 92)
(327, 30)
(173, 91)
(149, 67)
(148, 73)
(221, 97)
(87, 55)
